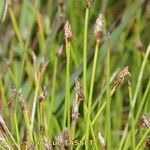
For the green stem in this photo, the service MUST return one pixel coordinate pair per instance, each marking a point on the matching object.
(34, 104)
(53, 89)
(132, 118)
(85, 52)
(108, 99)
(67, 94)
(27, 124)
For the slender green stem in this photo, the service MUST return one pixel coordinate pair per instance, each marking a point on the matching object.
(91, 92)
(73, 133)
(142, 102)
(16, 128)
(27, 124)
(108, 99)
(53, 88)
(34, 104)
(67, 94)
(85, 53)
(132, 118)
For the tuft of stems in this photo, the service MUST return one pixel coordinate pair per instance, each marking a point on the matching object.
(92, 78)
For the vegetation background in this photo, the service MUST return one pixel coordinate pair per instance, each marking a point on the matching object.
(39, 100)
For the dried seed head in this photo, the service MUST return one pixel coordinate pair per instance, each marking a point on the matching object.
(89, 3)
(21, 100)
(47, 144)
(148, 142)
(3, 126)
(59, 51)
(43, 95)
(68, 32)
(124, 73)
(144, 122)
(42, 67)
(66, 135)
(60, 140)
(75, 112)
(79, 90)
(12, 98)
(61, 2)
(98, 27)
(102, 141)
(139, 45)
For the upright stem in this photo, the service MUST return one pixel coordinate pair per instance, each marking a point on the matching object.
(67, 95)
(91, 92)
(34, 104)
(53, 89)
(132, 118)
(85, 52)
(108, 99)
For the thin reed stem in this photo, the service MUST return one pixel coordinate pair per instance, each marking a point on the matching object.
(85, 53)
(132, 118)
(67, 94)
(108, 99)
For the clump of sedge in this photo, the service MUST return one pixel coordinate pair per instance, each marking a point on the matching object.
(98, 28)
(121, 77)
(102, 141)
(68, 31)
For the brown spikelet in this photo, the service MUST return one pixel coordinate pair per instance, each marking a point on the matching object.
(60, 139)
(148, 142)
(21, 100)
(120, 78)
(79, 90)
(47, 144)
(59, 51)
(68, 31)
(43, 95)
(75, 111)
(98, 28)
(144, 122)
(89, 3)
(139, 45)
(102, 141)
(12, 98)
(61, 2)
